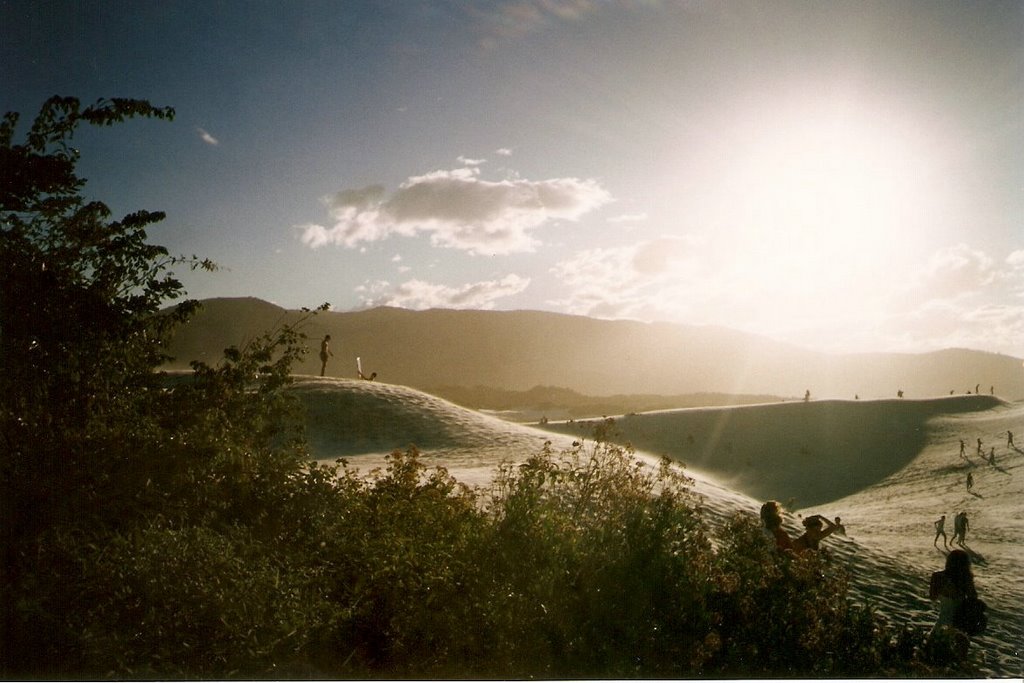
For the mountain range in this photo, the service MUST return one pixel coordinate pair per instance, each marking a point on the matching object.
(488, 351)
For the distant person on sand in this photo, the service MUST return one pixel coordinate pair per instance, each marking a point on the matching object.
(359, 371)
(815, 532)
(992, 457)
(807, 395)
(325, 353)
(979, 448)
(960, 526)
(840, 529)
(940, 530)
(1009, 439)
(951, 587)
(771, 517)
(970, 481)
(963, 449)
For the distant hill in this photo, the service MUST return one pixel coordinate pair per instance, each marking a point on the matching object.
(520, 350)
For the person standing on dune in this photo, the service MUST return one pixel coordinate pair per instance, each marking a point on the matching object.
(970, 481)
(963, 449)
(1009, 439)
(325, 353)
(940, 530)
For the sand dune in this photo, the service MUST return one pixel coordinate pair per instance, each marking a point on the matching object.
(889, 468)
(806, 453)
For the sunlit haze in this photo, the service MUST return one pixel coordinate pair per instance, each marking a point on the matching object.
(842, 176)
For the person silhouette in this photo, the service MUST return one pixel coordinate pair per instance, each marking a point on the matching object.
(992, 457)
(960, 527)
(814, 533)
(979, 448)
(940, 530)
(771, 517)
(963, 449)
(325, 353)
(951, 587)
(840, 529)
(970, 481)
(1009, 439)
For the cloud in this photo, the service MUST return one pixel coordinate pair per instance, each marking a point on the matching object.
(961, 297)
(644, 280)
(458, 209)
(418, 294)
(628, 218)
(465, 161)
(207, 138)
(503, 152)
(515, 19)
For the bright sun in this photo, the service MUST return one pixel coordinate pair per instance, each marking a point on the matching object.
(816, 198)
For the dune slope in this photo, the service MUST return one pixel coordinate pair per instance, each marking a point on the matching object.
(903, 453)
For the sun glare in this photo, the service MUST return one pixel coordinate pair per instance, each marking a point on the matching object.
(818, 202)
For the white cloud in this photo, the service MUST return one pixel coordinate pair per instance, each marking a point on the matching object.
(959, 298)
(418, 294)
(465, 161)
(458, 209)
(643, 280)
(503, 152)
(207, 138)
(629, 218)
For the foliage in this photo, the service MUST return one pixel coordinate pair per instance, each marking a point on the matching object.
(173, 526)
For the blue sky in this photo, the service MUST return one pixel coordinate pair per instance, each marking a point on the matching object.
(847, 176)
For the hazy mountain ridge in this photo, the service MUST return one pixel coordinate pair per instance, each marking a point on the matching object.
(519, 350)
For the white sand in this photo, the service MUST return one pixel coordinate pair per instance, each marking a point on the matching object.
(889, 468)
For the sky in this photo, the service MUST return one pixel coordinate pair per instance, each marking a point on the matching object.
(845, 176)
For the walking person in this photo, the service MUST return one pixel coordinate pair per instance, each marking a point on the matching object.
(960, 527)
(325, 353)
(979, 448)
(940, 530)
(1009, 439)
(970, 481)
(963, 449)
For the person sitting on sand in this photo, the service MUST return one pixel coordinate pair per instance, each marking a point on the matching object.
(359, 371)
(840, 529)
(771, 516)
(815, 532)
(952, 586)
